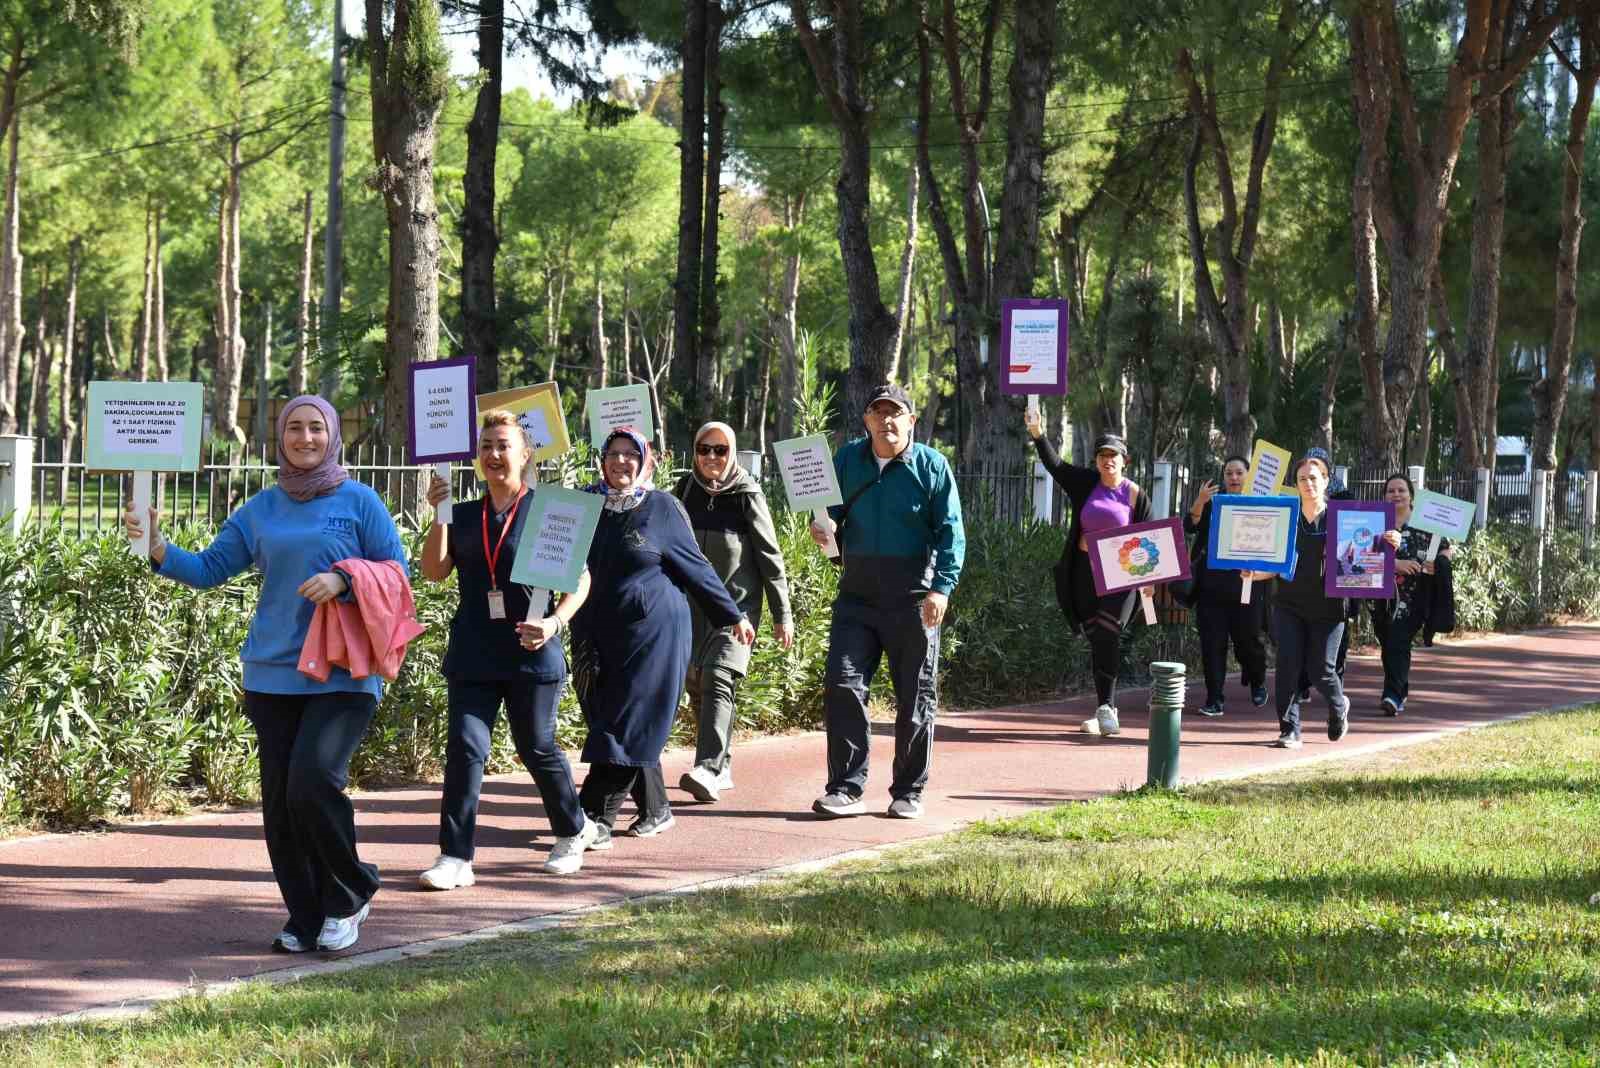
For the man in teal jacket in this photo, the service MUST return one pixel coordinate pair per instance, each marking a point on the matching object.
(901, 543)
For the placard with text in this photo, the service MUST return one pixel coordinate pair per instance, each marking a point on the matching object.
(143, 426)
(444, 411)
(539, 412)
(1034, 337)
(556, 537)
(809, 480)
(608, 409)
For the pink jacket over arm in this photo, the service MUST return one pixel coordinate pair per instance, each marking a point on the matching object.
(368, 633)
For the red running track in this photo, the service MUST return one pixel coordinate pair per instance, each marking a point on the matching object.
(144, 912)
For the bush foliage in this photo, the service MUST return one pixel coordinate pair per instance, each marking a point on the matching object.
(121, 691)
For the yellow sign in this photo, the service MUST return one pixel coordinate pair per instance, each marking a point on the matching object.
(538, 409)
(1269, 470)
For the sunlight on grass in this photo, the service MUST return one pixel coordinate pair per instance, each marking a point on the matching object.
(1428, 905)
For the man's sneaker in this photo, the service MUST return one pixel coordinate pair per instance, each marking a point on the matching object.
(566, 856)
(602, 836)
(1304, 695)
(1104, 722)
(342, 933)
(700, 784)
(447, 873)
(1258, 695)
(1213, 709)
(1287, 740)
(1339, 719)
(651, 824)
(906, 808)
(838, 804)
(725, 779)
(289, 942)
(1390, 706)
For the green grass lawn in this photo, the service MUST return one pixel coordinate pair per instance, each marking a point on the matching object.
(1429, 906)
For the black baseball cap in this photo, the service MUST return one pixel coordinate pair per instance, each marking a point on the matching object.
(1110, 443)
(889, 392)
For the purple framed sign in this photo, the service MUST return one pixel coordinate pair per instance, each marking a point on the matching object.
(1359, 562)
(1033, 346)
(444, 411)
(1144, 554)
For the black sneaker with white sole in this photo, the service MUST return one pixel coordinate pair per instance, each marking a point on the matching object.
(651, 824)
(1213, 709)
(1258, 695)
(1390, 706)
(1339, 719)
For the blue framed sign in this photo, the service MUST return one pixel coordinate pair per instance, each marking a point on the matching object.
(1250, 533)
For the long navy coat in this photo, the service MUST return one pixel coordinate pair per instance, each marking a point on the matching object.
(641, 565)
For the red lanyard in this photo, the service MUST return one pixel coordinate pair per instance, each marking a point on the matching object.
(511, 515)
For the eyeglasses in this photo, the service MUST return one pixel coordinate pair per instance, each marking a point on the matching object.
(623, 457)
(711, 450)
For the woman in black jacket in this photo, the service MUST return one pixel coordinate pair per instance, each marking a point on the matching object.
(1307, 623)
(1218, 613)
(1101, 499)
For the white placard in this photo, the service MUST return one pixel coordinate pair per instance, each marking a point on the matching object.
(619, 406)
(442, 421)
(1035, 341)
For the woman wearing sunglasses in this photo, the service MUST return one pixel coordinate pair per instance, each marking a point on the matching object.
(733, 527)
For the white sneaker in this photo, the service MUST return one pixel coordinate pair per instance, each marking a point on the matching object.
(725, 779)
(700, 784)
(447, 873)
(342, 934)
(566, 856)
(288, 942)
(836, 805)
(906, 808)
(1104, 722)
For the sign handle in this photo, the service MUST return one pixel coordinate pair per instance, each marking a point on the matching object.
(826, 522)
(442, 514)
(143, 491)
(1244, 589)
(1148, 599)
(1433, 547)
(1033, 404)
(538, 597)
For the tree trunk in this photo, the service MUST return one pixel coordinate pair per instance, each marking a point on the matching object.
(11, 287)
(599, 372)
(67, 422)
(838, 76)
(1550, 393)
(691, 200)
(1496, 124)
(328, 324)
(159, 306)
(39, 388)
(410, 80)
(1425, 413)
(716, 114)
(141, 359)
(263, 381)
(225, 383)
(789, 321)
(480, 239)
(298, 376)
(113, 361)
(908, 260)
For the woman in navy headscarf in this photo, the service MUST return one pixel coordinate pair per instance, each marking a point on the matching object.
(631, 638)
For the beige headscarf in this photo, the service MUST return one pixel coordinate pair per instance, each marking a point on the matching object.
(732, 474)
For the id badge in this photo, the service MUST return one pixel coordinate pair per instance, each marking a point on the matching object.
(497, 604)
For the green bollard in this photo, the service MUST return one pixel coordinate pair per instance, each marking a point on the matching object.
(1166, 715)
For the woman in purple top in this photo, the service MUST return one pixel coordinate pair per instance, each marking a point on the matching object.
(1101, 499)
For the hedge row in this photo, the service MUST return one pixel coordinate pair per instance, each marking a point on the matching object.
(121, 691)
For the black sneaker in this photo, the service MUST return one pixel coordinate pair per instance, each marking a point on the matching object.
(1390, 706)
(651, 824)
(1303, 696)
(1287, 740)
(1213, 710)
(1339, 720)
(1258, 695)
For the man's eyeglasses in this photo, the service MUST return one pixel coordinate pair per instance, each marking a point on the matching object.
(711, 450)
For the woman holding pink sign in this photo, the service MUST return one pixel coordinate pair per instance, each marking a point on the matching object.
(497, 656)
(1101, 499)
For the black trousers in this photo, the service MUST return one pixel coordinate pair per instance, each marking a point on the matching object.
(306, 742)
(1305, 648)
(531, 715)
(859, 637)
(607, 786)
(1219, 620)
(1104, 621)
(1394, 638)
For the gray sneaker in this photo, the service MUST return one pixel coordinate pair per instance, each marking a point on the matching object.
(1287, 740)
(836, 805)
(1339, 719)
(906, 808)
(289, 942)
(342, 933)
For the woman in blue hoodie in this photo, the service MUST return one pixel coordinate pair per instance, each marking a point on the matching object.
(306, 731)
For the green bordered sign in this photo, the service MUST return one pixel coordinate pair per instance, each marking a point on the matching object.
(608, 409)
(144, 426)
(554, 545)
(1446, 516)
